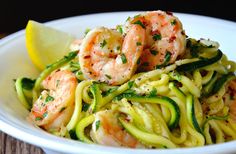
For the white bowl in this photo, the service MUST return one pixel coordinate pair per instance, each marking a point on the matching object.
(14, 62)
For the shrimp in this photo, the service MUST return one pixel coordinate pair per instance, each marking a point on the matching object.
(165, 38)
(55, 105)
(107, 56)
(107, 131)
(231, 101)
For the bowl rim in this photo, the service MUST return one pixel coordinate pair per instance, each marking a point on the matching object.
(54, 142)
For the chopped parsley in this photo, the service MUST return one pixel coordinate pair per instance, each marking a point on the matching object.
(79, 73)
(154, 52)
(167, 57)
(130, 84)
(97, 124)
(105, 93)
(123, 58)
(119, 29)
(49, 98)
(118, 48)
(153, 92)
(108, 76)
(138, 15)
(38, 118)
(62, 109)
(75, 65)
(156, 37)
(138, 61)
(104, 42)
(166, 61)
(128, 19)
(138, 43)
(138, 22)
(86, 31)
(173, 22)
(45, 114)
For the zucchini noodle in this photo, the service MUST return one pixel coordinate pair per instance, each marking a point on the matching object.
(183, 104)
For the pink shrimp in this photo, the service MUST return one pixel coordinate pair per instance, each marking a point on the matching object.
(165, 38)
(55, 105)
(231, 92)
(109, 131)
(107, 56)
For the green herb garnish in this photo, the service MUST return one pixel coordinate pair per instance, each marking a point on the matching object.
(153, 92)
(105, 93)
(45, 114)
(138, 22)
(104, 42)
(123, 58)
(62, 109)
(108, 76)
(97, 124)
(49, 98)
(119, 29)
(138, 43)
(118, 48)
(154, 52)
(173, 22)
(128, 19)
(86, 31)
(138, 61)
(38, 118)
(138, 15)
(130, 84)
(166, 61)
(156, 37)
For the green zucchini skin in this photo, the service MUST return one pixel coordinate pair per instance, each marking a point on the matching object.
(200, 63)
(208, 118)
(177, 91)
(21, 95)
(145, 137)
(191, 113)
(163, 100)
(207, 89)
(79, 130)
(221, 81)
(97, 97)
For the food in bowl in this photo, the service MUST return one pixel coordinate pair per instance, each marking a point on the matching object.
(143, 84)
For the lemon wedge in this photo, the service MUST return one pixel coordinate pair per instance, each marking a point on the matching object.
(45, 45)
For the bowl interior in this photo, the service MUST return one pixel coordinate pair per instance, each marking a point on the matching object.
(14, 63)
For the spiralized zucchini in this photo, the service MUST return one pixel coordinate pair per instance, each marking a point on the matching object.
(184, 104)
